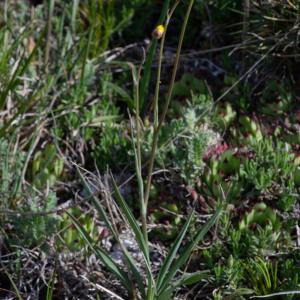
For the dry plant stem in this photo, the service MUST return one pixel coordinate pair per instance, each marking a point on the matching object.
(166, 106)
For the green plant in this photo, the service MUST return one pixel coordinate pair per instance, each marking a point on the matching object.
(32, 226)
(260, 215)
(258, 233)
(166, 282)
(183, 142)
(11, 163)
(47, 167)
(289, 273)
(263, 275)
(69, 235)
(272, 169)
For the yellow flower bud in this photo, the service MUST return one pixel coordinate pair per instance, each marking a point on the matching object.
(158, 31)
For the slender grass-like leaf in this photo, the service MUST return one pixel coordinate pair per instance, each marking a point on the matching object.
(130, 261)
(102, 255)
(50, 288)
(130, 218)
(20, 70)
(192, 278)
(173, 252)
(184, 256)
(24, 106)
(262, 267)
(98, 206)
(186, 279)
(133, 225)
(8, 53)
(121, 92)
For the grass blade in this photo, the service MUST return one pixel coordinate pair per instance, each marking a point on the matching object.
(173, 251)
(130, 262)
(121, 92)
(295, 292)
(19, 297)
(186, 279)
(133, 225)
(102, 255)
(98, 206)
(192, 278)
(20, 70)
(184, 256)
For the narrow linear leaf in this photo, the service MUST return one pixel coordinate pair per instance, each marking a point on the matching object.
(20, 70)
(192, 278)
(184, 256)
(130, 218)
(130, 261)
(133, 225)
(135, 272)
(98, 206)
(19, 297)
(102, 255)
(173, 251)
(186, 279)
(121, 92)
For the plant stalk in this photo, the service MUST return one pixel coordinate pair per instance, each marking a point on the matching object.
(168, 99)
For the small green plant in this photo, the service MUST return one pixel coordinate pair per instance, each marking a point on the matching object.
(258, 233)
(272, 169)
(11, 163)
(260, 215)
(34, 225)
(263, 275)
(69, 235)
(183, 143)
(47, 167)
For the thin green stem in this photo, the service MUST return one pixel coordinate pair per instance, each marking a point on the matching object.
(156, 95)
(168, 99)
(143, 210)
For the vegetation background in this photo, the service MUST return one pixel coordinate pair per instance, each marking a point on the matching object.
(117, 184)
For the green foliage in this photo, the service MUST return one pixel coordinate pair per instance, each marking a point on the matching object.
(262, 275)
(32, 226)
(46, 167)
(11, 162)
(69, 235)
(289, 271)
(183, 141)
(166, 213)
(113, 140)
(272, 169)
(76, 104)
(260, 215)
(165, 284)
(258, 232)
